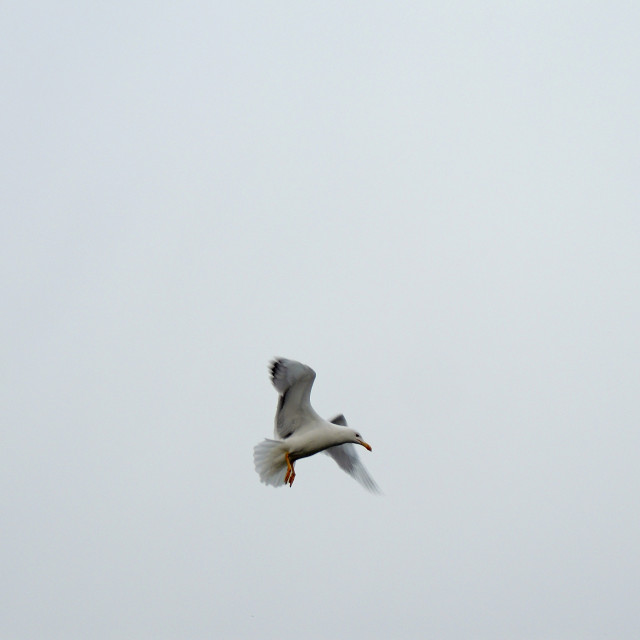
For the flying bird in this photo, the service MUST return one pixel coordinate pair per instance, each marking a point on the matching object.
(300, 432)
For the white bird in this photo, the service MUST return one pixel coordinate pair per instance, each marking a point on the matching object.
(300, 432)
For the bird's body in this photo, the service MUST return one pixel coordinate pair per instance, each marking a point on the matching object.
(300, 432)
(314, 437)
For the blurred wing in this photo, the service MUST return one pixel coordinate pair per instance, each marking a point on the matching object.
(346, 457)
(293, 381)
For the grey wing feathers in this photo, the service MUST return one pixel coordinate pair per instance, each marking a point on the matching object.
(287, 373)
(293, 381)
(346, 457)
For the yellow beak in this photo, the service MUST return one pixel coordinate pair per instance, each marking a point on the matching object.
(364, 444)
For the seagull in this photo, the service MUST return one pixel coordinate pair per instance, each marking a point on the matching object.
(300, 432)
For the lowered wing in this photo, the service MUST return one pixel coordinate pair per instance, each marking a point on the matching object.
(346, 457)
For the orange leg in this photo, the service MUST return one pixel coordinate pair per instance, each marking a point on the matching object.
(291, 474)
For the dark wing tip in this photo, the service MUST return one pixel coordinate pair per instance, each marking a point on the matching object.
(274, 366)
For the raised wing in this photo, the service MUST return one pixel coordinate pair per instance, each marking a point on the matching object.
(293, 381)
(346, 457)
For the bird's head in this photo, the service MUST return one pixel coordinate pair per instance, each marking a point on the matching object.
(356, 438)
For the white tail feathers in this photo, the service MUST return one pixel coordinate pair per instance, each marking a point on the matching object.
(270, 463)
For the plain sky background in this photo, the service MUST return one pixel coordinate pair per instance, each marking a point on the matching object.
(436, 205)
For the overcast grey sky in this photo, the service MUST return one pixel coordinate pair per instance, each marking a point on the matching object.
(433, 204)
